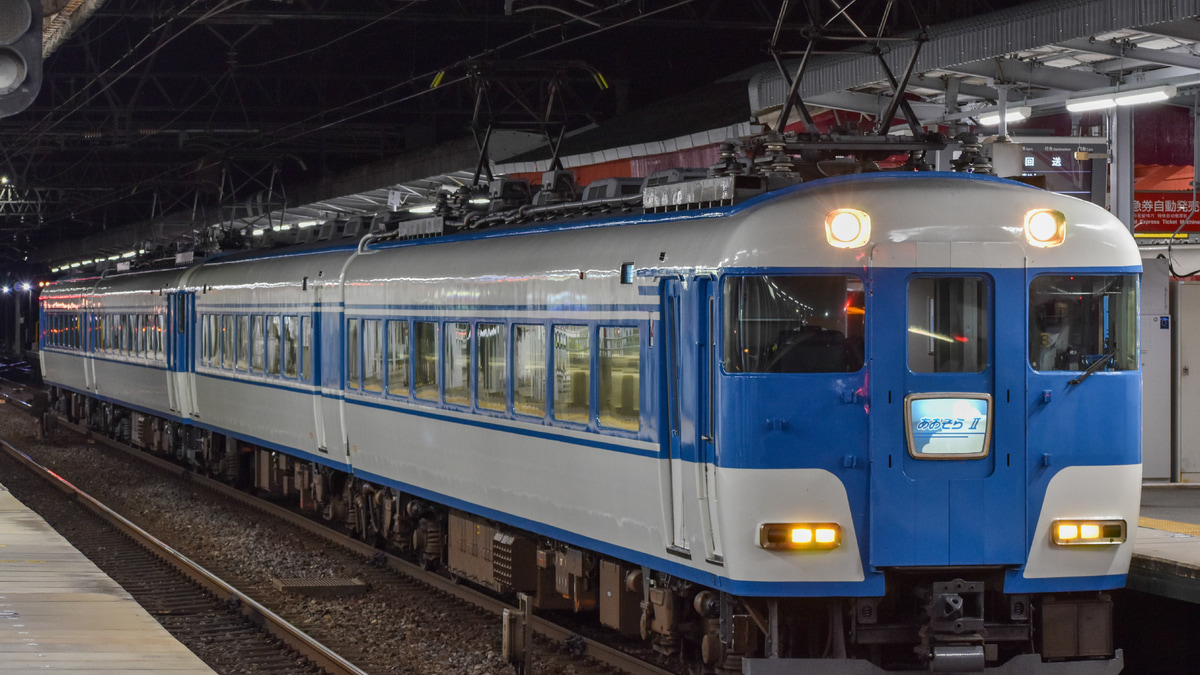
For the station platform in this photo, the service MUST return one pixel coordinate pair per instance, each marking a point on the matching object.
(1166, 553)
(59, 612)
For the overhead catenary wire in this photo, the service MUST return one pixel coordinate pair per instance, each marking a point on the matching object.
(147, 183)
(49, 123)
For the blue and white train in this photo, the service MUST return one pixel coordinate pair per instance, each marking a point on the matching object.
(878, 422)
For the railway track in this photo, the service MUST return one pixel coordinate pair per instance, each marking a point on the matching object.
(557, 648)
(225, 627)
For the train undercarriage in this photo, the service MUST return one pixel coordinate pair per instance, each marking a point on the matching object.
(930, 620)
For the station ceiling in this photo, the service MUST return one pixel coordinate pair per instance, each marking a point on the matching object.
(158, 121)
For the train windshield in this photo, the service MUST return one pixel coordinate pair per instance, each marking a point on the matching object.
(1077, 320)
(793, 324)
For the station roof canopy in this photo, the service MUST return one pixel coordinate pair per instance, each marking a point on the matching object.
(158, 126)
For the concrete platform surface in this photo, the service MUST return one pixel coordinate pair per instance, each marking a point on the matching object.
(60, 613)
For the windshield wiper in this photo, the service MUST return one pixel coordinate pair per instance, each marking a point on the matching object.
(1092, 368)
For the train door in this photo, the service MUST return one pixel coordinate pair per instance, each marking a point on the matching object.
(179, 344)
(706, 413)
(90, 319)
(689, 483)
(946, 421)
(327, 377)
(673, 485)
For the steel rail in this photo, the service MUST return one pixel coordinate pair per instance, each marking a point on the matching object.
(257, 613)
(596, 650)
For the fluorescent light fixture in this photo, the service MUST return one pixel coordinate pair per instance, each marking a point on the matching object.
(1146, 95)
(55, 270)
(428, 208)
(129, 254)
(256, 233)
(1092, 103)
(307, 223)
(74, 265)
(1134, 97)
(114, 257)
(284, 228)
(1010, 115)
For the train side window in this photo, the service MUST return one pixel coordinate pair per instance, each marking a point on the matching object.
(256, 343)
(529, 370)
(214, 348)
(352, 346)
(289, 345)
(491, 376)
(305, 347)
(425, 356)
(1075, 321)
(274, 353)
(572, 365)
(202, 339)
(458, 363)
(155, 346)
(228, 332)
(158, 336)
(793, 324)
(373, 355)
(243, 342)
(397, 353)
(619, 376)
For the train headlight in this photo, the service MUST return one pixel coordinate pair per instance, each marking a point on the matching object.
(1088, 531)
(799, 536)
(1045, 227)
(847, 228)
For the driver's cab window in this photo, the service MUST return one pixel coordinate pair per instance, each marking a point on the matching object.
(1080, 322)
(794, 324)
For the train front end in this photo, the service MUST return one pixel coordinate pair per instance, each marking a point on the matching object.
(935, 420)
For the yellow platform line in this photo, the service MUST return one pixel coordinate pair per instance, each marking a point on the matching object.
(1170, 526)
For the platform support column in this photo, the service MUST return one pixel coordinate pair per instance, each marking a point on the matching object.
(1121, 169)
